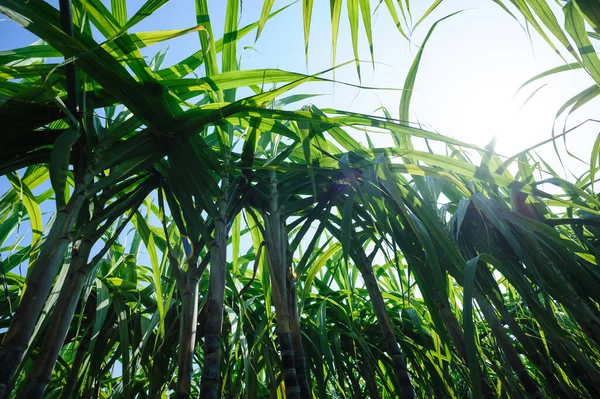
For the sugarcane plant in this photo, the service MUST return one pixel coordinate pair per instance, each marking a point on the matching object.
(205, 242)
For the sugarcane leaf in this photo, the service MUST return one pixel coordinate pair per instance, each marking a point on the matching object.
(28, 200)
(347, 224)
(471, 345)
(392, 10)
(353, 21)
(335, 7)
(594, 161)
(307, 6)
(119, 11)
(589, 10)
(59, 164)
(575, 26)
(264, 15)
(409, 84)
(147, 9)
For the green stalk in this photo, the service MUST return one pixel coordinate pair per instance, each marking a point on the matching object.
(39, 284)
(39, 376)
(64, 310)
(414, 254)
(209, 386)
(187, 334)
(400, 369)
(276, 251)
(296, 335)
(189, 310)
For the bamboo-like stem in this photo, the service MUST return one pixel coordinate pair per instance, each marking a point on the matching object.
(39, 285)
(39, 376)
(187, 334)
(414, 253)
(189, 311)
(209, 385)
(276, 255)
(296, 335)
(400, 369)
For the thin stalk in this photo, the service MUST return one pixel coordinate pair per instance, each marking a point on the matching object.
(189, 311)
(39, 284)
(369, 376)
(187, 334)
(209, 385)
(39, 376)
(414, 253)
(400, 369)
(296, 335)
(276, 253)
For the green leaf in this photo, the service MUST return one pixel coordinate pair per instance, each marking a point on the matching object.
(31, 206)
(575, 26)
(561, 68)
(394, 15)
(335, 7)
(119, 11)
(146, 10)
(353, 21)
(307, 6)
(590, 11)
(432, 7)
(470, 344)
(409, 85)
(235, 242)
(365, 10)
(594, 160)
(264, 15)
(207, 38)
(59, 164)
(347, 224)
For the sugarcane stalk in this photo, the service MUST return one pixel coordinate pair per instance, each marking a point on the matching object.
(188, 288)
(209, 385)
(296, 335)
(39, 285)
(400, 368)
(39, 376)
(276, 254)
(187, 334)
(368, 376)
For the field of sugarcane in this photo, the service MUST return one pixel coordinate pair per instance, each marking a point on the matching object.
(203, 230)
